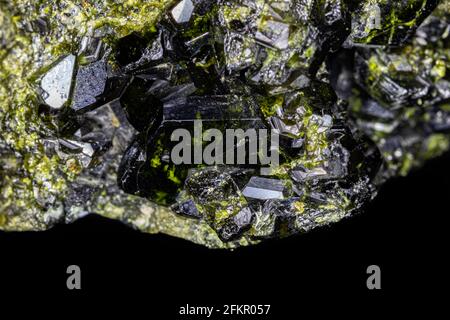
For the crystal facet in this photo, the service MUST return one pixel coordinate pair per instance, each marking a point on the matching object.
(57, 82)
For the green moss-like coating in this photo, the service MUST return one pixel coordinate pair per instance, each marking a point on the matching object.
(26, 54)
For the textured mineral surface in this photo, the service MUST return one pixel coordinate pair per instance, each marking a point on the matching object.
(357, 92)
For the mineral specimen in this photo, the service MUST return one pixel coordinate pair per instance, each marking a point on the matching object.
(93, 97)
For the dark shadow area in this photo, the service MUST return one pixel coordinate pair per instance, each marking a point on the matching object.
(402, 230)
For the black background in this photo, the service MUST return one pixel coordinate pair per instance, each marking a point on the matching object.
(404, 231)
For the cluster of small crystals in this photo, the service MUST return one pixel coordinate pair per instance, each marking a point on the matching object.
(402, 97)
(357, 91)
(33, 36)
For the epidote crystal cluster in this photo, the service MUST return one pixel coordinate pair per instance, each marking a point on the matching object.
(358, 92)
